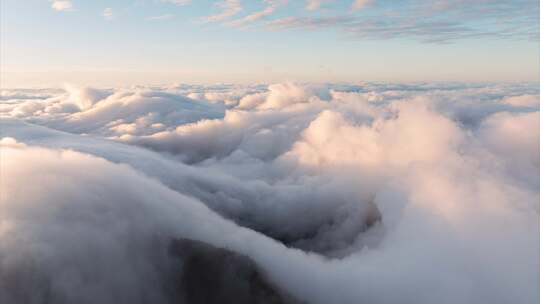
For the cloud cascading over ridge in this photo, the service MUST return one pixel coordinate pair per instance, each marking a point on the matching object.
(339, 193)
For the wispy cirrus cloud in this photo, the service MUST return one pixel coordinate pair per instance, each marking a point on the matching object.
(229, 8)
(177, 2)
(434, 22)
(310, 23)
(271, 7)
(160, 17)
(438, 21)
(312, 5)
(360, 4)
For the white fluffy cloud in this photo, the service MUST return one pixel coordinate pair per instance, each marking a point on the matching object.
(108, 13)
(366, 193)
(62, 5)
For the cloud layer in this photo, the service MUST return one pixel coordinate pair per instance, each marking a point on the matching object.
(349, 193)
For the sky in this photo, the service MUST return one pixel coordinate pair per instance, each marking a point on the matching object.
(127, 42)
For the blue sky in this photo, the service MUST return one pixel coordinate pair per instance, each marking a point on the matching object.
(99, 42)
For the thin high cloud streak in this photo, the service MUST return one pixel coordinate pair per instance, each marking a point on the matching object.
(431, 22)
(360, 4)
(228, 8)
(160, 17)
(177, 2)
(272, 6)
(440, 21)
(374, 192)
(427, 21)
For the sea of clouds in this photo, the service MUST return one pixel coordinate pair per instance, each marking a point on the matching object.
(340, 193)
